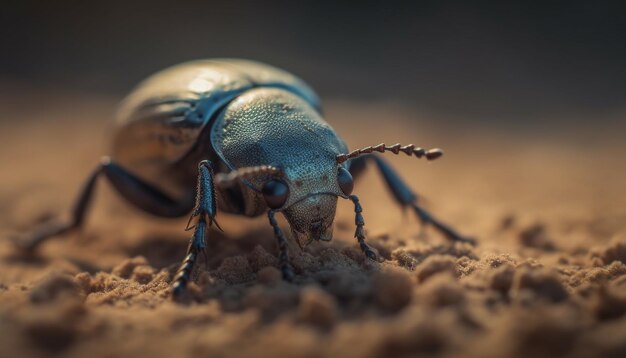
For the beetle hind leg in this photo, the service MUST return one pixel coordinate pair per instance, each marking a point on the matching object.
(406, 197)
(132, 188)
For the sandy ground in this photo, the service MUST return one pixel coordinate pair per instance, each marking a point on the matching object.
(548, 277)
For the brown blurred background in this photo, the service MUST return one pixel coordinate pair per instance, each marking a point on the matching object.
(532, 65)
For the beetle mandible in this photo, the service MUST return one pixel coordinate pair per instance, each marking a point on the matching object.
(240, 137)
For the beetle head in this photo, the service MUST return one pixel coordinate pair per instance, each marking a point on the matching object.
(312, 218)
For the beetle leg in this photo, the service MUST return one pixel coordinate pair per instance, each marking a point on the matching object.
(133, 189)
(226, 180)
(359, 233)
(405, 196)
(56, 227)
(205, 211)
(197, 245)
(283, 256)
(205, 196)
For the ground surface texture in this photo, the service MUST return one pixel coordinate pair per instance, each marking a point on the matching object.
(548, 277)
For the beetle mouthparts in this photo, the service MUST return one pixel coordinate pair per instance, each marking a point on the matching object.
(302, 240)
(315, 225)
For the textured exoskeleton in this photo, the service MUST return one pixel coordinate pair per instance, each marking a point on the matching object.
(241, 137)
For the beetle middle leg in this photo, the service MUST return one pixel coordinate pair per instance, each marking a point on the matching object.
(204, 211)
(405, 196)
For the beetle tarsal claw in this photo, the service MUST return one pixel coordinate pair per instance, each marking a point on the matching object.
(397, 148)
(211, 220)
(188, 227)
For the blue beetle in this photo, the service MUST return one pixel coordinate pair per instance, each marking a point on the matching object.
(240, 137)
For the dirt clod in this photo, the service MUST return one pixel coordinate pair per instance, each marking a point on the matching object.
(614, 252)
(542, 283)
(392, 289)
(609, 304)
(127, 267)
(269, 275)
(53, 287)
(536, 236)
(501, 279)
(317, 307)
(436, 264)
(235, 269)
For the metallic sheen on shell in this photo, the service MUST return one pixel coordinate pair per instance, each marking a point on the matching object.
(235, 113)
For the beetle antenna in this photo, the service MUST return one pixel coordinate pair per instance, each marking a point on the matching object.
(226, 180)
(430, 154)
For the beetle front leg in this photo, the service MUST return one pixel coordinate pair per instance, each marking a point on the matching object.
(205, 211)
(359, 233)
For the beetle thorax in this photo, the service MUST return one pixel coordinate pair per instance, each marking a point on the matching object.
(269, 126)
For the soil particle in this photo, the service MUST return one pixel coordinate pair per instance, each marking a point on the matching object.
(53, 287)
(269, 275)
(392, 289)
(536, 236)
(436, 264)
(235, 269)
(540, 284)
(317, 307)
(501, 278)
(614, 252)
(609, 303)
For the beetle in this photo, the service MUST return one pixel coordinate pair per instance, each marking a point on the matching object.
(240, 137)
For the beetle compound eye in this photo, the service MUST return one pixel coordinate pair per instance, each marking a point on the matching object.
(275, 193)
(345, 180)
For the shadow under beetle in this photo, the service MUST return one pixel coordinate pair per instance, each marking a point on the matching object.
(251, 140)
